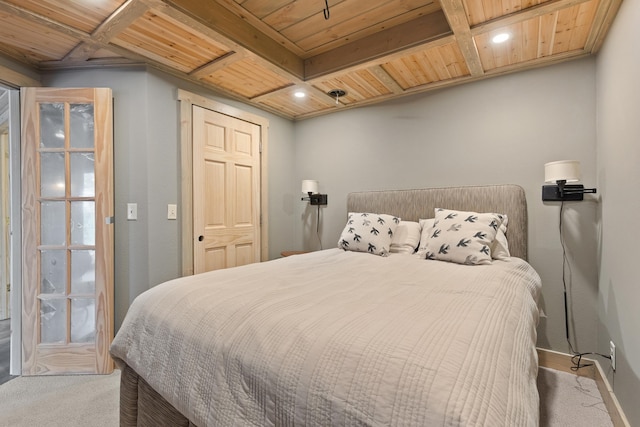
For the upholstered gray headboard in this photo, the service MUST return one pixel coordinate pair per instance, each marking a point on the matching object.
(412, 205)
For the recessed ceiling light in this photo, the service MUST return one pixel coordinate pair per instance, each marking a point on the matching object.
(299, 94)
(500, 38)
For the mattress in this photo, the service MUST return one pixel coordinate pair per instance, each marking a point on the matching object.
(342, 338)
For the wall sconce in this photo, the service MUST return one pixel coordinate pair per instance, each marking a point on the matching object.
(310, 187)
(561, 173)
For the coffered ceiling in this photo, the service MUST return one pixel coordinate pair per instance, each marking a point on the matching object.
(264, 51)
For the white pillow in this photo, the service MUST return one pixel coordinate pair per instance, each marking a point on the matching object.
(368, 232)
(427, 225)
(500, 246)
(463, 237)
(406, 238)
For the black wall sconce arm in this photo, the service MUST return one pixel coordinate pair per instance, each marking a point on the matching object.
(316, 199)
(565, 192)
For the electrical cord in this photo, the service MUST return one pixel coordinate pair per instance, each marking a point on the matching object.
(318, 227)
(576, 358)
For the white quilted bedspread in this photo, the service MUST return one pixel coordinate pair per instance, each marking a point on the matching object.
(336, 338)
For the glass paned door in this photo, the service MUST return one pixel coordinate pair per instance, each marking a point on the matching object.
(67, 190)
(68, 231)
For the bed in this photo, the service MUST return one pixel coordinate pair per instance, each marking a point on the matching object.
(349, 336)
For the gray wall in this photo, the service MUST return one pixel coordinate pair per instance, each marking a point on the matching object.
(146, 161)
(618, 148)
(495, 131)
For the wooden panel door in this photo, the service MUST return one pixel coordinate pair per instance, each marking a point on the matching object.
(67, 210)
(226, 191)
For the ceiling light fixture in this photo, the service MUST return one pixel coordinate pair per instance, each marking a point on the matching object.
(336, 93)
(299, 94)
(500, 38)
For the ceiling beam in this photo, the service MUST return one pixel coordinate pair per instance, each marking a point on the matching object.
(236, 8)
(81, 52)
(457, 17)
(389, 82)
(386, 58)
(262, 97)
(226, 24)
(87, 43)
(416, 32)
(119, 20)
(217, 64)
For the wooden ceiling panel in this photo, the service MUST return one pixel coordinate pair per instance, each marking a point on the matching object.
(313, 103)
(359, 85)
(262, 8)
(247, 77)
(169, 42)
(293, 13)
(260, 51)
(520, 47)
(31, 41)
(573, 26)
(479, 11)
(81, 15)
(315, 34)
(556, 33)
(432, 65)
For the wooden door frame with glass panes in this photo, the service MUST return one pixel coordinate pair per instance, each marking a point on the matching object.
(67, 230)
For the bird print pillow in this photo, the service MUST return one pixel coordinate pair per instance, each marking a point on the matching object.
(463, 237)
(368, 232)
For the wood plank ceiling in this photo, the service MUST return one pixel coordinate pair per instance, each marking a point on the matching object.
(263, 51)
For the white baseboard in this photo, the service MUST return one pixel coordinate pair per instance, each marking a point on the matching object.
(562, 362)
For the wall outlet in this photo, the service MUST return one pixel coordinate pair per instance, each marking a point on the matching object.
(612, 353)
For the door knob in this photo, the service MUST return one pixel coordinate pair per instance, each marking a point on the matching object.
(200, 238)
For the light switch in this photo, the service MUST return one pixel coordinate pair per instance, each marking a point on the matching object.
(132, 211)
(172, 211)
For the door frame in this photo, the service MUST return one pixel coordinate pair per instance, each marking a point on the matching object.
(15, 199)
(187, 101)
(5, 213)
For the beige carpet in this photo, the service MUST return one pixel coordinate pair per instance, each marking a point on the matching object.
(92, 400)
(79, 400)
(567, 400)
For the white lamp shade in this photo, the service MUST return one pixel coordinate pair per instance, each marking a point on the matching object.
(567, 170)
(309, 186)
